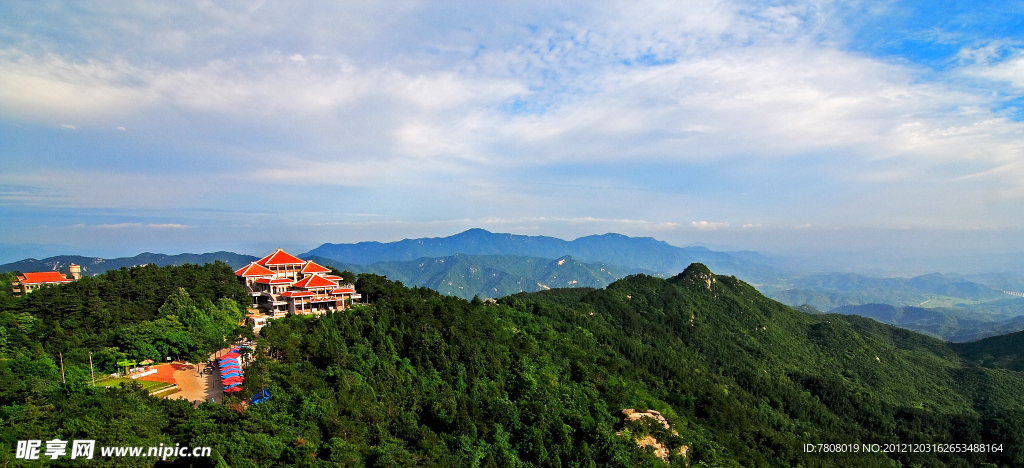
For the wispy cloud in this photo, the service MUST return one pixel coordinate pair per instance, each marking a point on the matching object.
(588, 116)
(709, 226)
(133, 226)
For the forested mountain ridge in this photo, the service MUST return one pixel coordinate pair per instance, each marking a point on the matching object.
(866, 380)
(540, 379)
(997, 352)
(615, 249)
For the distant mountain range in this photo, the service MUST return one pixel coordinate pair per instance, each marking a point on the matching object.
(947, 307)
(826, 291)
(494, 276)
(956, 324)
(92, 266)
(485, 264)
(643, 253)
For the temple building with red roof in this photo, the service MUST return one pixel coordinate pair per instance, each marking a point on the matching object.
(31, 281)
(282, 283)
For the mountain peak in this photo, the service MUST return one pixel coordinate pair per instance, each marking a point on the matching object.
(475, 232)
(696, 273)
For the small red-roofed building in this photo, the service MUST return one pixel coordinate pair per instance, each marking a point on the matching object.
(31, 281)
(282, 283)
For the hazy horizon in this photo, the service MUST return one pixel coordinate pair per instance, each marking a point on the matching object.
(900, 259)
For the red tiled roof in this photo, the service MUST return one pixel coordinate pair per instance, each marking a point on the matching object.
(343, 291)
(315, 282)
(312, 267)
(274, 281)
(39, 277)
(253, 269)
(332, 277)
(297, 294)
(280, 258)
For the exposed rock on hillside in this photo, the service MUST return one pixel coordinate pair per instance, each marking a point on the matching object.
(648, 440)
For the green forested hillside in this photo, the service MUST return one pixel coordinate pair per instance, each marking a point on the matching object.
(540, 379)
(997, 352)
(146, 312)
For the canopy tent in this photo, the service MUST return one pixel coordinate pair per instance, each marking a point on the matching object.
(232, 379)
(229, 374)
(232, 389)
(261, 396)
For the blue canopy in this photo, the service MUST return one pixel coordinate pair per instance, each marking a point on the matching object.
(261, 396)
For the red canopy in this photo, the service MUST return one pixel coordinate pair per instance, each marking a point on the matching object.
(232, 379)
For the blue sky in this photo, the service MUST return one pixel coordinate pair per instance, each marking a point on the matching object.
(787, 127)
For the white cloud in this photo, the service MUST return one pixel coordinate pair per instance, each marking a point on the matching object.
(709, 226)
(132, 226)
(119, 225)
(431, 109)
(42, 87)
(167, 226)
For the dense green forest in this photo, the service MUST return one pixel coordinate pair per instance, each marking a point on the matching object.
(144, 312)
(539, 379)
